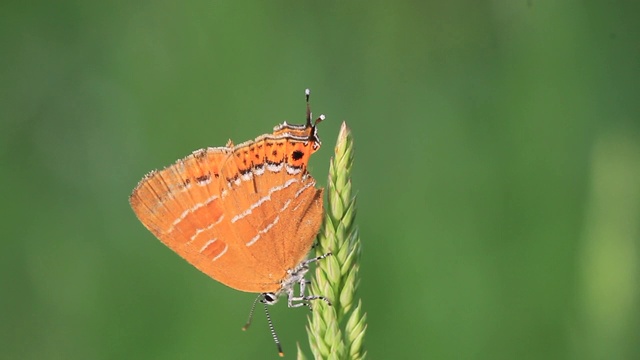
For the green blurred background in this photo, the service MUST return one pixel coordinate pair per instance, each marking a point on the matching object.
(497, 169)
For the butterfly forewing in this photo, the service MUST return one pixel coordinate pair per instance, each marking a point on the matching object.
(182, 201)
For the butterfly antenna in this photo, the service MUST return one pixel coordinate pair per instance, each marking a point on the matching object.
(266, 311)
(253, 307)
(273, 331)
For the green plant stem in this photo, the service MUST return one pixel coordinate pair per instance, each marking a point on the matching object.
(337, 331)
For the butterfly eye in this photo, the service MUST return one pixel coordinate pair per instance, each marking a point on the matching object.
(270, 298)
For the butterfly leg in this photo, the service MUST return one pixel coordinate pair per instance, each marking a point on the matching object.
(302, 299)
(309, 261)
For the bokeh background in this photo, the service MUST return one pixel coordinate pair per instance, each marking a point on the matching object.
(497, 168)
